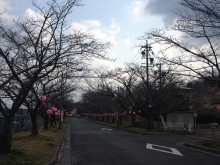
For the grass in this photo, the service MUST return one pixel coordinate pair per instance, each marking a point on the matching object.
(28, 150)
(214, 144)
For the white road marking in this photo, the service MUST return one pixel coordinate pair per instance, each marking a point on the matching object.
(106, 129)
(172, 150)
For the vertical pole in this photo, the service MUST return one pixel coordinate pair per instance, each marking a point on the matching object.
(147, 51)
(195, 121)
(160, 76)
(61, 102)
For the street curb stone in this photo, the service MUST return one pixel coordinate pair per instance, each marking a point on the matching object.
(202, 148)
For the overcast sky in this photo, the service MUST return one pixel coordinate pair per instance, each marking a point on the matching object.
(119, 21)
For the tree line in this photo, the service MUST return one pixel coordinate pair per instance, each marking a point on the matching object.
(196, 59)
(37, 55)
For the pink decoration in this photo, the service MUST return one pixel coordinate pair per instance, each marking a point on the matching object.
(49, 112)
(139, 111)
(195, 115)
(43, 99)
(218, 108)
(53, 109)
(130, 112)
(149, 106)
(133, 113)
(57, 113)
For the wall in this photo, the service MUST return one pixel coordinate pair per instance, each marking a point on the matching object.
(180, 120)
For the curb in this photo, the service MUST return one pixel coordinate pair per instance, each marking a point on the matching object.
(126, 129)
(211, 151)
(66, 158)
(55, 156)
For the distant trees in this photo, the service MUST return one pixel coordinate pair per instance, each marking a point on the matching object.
(198, 46)
(128, 88)
(35, 48)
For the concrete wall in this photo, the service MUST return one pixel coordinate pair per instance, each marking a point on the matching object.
(180, 120)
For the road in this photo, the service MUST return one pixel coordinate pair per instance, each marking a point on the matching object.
(96, 144)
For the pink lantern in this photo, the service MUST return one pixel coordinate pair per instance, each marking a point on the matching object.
(139, 111)
(195, 115)
(149, 106)
(59, 113)
(49, 112)
(53, 109)
(43, 99)
(218, 108)
(134, 113)
(56, 113)
(130, 112)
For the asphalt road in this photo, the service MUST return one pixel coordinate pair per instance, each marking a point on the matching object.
(96, 144)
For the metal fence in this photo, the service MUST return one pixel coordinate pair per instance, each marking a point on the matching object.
(21, 121)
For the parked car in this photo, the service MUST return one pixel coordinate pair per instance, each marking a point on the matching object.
(70, 115)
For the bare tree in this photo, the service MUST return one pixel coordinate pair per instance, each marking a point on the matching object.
(34, 48)
(198, 46)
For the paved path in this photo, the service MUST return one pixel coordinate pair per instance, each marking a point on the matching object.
(96, 144)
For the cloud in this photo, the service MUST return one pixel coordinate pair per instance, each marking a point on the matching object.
(127, 41)
(94, 27)
(99, 64)
(164, 8)
(29, 13)
(136, 10)
(4, 5)
(4, 10)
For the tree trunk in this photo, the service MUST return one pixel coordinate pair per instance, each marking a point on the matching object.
(150, 120)
(5, 137)
(34, 129)
(46, 123)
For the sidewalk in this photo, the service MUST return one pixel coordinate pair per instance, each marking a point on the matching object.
(66, 147)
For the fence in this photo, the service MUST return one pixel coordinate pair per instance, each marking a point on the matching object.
(21, 121)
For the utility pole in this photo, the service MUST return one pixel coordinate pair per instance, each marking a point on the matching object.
(145, 54)
(160, 76)
(61, 102)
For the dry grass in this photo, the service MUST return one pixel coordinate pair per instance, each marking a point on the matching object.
(27, 150)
